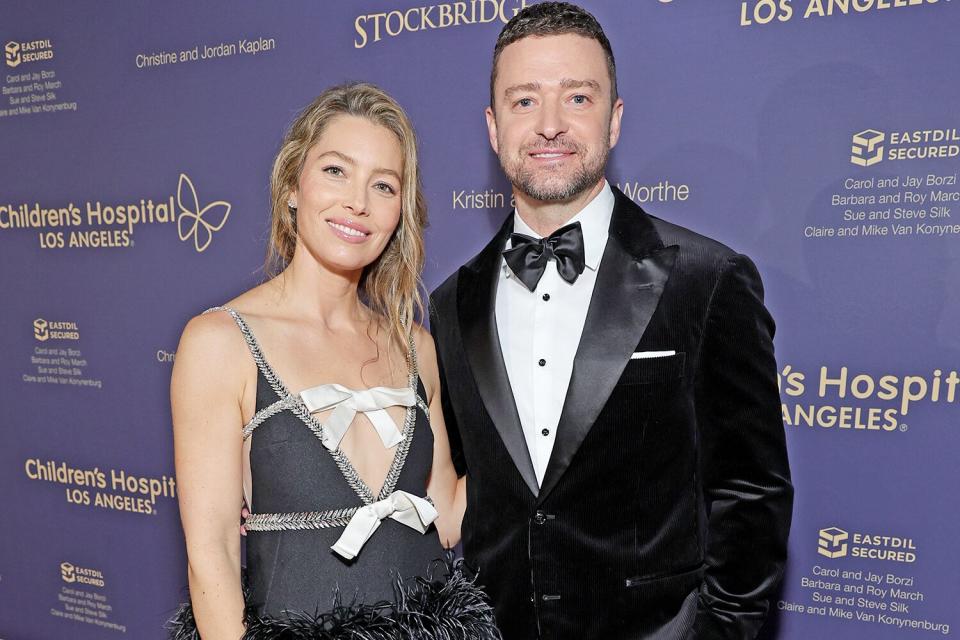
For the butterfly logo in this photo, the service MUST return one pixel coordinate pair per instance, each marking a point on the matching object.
(194, 222)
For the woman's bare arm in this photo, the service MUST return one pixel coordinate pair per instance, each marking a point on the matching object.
(205, 392)
(446, 490)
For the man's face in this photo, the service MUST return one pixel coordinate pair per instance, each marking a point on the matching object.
(552, 123)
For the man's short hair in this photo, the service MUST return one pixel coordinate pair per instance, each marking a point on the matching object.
(553, 19)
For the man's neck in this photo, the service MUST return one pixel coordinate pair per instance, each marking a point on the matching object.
(545, 217)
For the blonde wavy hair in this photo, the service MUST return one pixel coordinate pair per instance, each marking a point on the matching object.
(389, 286)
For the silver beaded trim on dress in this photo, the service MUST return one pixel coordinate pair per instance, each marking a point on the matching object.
(302, 521)
(299, 521)
(260, 417)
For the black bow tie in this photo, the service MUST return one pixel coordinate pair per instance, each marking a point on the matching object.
(529, 256)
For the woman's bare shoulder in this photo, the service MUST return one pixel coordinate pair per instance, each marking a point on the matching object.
(212, 342)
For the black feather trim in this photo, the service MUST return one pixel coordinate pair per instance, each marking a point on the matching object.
(447, 604)
(182, 626)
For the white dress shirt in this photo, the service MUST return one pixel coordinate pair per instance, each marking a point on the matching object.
(540, 330)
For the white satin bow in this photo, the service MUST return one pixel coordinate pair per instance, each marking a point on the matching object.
(405, 508)
(371, 402)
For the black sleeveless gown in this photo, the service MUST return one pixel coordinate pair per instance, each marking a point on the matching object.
(296, 586)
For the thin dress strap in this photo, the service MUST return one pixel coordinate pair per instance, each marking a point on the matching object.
(255, 351)
(286, 399)
(415, 374)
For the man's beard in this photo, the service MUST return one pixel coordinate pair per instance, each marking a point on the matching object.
(555, 188)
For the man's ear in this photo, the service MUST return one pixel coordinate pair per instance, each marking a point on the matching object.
(491, 129)
(615, 116)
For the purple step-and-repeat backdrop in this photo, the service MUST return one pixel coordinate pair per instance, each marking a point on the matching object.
(818, 136)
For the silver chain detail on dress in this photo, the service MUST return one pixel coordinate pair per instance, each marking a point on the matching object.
(400, 457)
(303, 521)
(299, 521)
(286, 403)
(423, 406)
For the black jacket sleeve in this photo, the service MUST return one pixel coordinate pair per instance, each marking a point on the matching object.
(745, 473)
(437, 323)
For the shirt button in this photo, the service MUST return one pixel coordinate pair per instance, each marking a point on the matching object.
(546, 297)
(545, 432)
(542, 362)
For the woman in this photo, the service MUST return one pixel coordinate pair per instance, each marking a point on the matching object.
(314, 400)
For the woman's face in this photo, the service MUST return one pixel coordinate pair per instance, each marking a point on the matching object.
(348, 194)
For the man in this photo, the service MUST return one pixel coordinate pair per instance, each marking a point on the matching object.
(609, 382)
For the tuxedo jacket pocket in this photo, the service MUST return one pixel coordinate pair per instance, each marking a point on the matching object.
(654, 370)
(694, 574)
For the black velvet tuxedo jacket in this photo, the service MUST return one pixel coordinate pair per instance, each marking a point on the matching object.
(666, 504)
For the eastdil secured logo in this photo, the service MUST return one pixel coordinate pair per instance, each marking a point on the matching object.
(19, 52)
(867, 148)
(40, 330)
(68, 572)
(44, 330)
(871, 146)
(832, 542)
(12, 53)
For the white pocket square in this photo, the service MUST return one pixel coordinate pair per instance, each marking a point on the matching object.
(643, 355)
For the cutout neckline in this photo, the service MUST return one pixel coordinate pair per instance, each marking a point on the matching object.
(347, 469)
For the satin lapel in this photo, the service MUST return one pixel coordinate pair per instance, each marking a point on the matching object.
(476, 299)
(634, 270)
